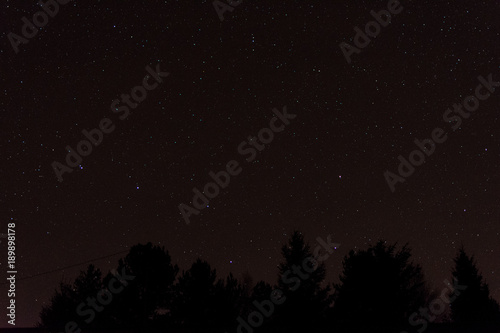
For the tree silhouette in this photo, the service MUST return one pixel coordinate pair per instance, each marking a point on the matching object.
(474, 304)
(247, 283)
(203, 304)
(60, 310)
(136, 306)
(379, 289)
(229, 300)
(261, 291)
(88, 282)
(65, 300)
(149, 294)
(300, 279)
(191, 307)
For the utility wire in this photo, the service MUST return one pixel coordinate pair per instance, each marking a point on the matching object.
(63, 268)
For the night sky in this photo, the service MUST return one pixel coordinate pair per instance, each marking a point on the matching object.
(323, 174)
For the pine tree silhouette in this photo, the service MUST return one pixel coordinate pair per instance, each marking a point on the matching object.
(472, 306)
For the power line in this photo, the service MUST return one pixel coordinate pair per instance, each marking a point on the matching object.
(63, 268)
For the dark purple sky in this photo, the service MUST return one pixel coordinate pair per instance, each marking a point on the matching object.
(323, 174)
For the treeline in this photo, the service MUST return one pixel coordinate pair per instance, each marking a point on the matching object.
(380, 290)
